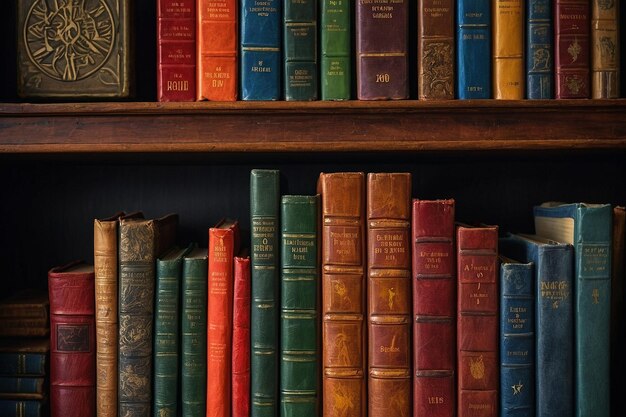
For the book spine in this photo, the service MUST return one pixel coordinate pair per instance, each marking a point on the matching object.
(477, 321)
(435, 53)
(19, 384)
(335, 39)
(22, 364)
(20, 331)
(508, 49)
(241, 338)
(265, 223)
(299, 365)
(434, 307)
(473, 49)
(618, 336)
(382, 49)
(11, 324)
(605, 54)
(571, 48)
(261, 59)
(21, 408)
(176, 50)
(217, 74)
(539, 46)
(36, 312)
(300, 45)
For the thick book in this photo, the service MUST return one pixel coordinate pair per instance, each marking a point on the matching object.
(571, 48)
(299, 320)
(22, 408)
(25, 313)
(241, 336)
(223, 245)
(434, 308)
(605, 49)
(618, 333)
(72, 340)
(435, 49)
(335, 49)
(477, 321)
(265, 273)
(344, 339)
(588, 228)
(22, 385)
(382, 62)
(508, 49)
(261, 57)
(300, 50)
(218, 69)
(24, 356)
(539, 50)
(473, 49)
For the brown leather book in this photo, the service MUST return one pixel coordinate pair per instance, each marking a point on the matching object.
(508, 49)
(435, 53)
(605, 56)
(618, 339)
(389, 294)
(343, 294)
(25, 313)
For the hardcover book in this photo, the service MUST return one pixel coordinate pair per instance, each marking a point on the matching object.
(571, 48)
(300, 44)
(25, 313)
(605, 49)
(539, 50)
(508, 49)
(435, 49)
(21, 385)
(22, 408)
(335, 49)
(473, 37)
(24, 356)
(618, 335)
(241, 337)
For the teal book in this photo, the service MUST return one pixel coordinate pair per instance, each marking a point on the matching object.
(265, 223)
(588, 227)
(299, 319)
(336, 51)
(300, 47)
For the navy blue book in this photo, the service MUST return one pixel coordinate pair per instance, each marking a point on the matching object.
(21, 385)
(20, 408)
(24, 356)
(474, 49)
(261, 58)
(539, 50)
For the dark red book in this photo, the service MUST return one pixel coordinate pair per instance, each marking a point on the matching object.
(571, 44)
(72, 340)
(241, 337)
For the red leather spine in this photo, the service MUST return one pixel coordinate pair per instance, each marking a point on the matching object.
(241, 338)
(571, 44)
(72, 341)
(434, 307)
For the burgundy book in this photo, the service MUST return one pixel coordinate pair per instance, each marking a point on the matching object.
(72, 340)
(477, 321)
(241, 337)
(434, 307)
(571, 44)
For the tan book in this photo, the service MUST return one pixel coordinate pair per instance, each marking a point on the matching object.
(605, 56)
(508, 49)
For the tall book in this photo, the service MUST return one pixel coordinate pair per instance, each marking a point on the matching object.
(477, 321)
(618, 335)
(261, 58)
(473, 51)
(176, 50)
(435, 49)
(508, 49)
(343, 294)
(588, 228)
(25, 314)
(539, 50)
(265, 272)
(223, 245)
(300, 46)
(241, 337)
(434, 308)
(72, 340)
(382, 60)
(299, 319)
(218, 70)
(571, 48)
(24, 356)
(335, 49)
(605, 49)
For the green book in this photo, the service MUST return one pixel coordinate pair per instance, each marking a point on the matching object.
(299, 328)
(336, 66)
(264, 202)
(300, 46)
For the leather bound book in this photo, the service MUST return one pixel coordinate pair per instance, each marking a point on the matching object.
(473, 37)
(434, 307)
(477, 321)
(571, 48)
(176, 50)
(72, 340)
(22, 385)
(218, 71)
(241, 337)
(618, 336)
(24, 356)
(335, 49)
(508, 49)
(22, 408)
(382, 49)
(343, 294)
(25, 313)
(605, 46)
(300, 43)
(435, 49)
(223, 245)
(539, 50)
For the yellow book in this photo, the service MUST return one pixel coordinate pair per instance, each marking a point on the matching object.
(508, 47)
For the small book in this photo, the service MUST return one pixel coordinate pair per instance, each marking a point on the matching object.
(539, 50)
(24, 356)
(605, 48)
(508, 49)
(22, 408)
(25, 313)
(241, 337)
(335, 49)
(300, 47)
(571, 48)
(473, 37)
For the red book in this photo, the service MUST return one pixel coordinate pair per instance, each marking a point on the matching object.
(241, 337)
(223, 244)
(72, 340)
(434, 306)
(571, 44)
(176, 50)
(477, 321)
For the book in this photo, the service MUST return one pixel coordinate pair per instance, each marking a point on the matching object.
(300, 50)
(618, 334)
(22, 385)
(218, 70)
(21, 408)
(241, 336)
(261, 57)
(25, 313)
(508, 49)
(473, 49)
(588, 228)
(571, 48)
(24, 356)
(72, 340)
(605, 49)
(265, 272)
(299, 319)
(435, 49)
(434, 308)
(176, 50)
(477, 320)
(539, 50)
(344, 311)
(223, 245)
(335, 49)
(382, 50)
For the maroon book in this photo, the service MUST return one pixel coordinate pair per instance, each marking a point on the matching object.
(72, 340)
(571, 44)
(477, 321)
(241, 338)
(434, 307)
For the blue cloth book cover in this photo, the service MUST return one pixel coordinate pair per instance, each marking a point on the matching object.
(539, 50)
(474, 49)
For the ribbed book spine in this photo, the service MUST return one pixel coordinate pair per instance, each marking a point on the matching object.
(473, 37)
(300, 46)
(539, 50)
(571, 48)
(435, 49)
(241, 338)
(605, 48)
(335, 39)
(508, 49)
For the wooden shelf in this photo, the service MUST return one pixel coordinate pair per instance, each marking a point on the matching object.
(353, 126)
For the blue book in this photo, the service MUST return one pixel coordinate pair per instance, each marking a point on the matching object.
(21, 385)
(22, 364)
(539, 50)
(261, 58)
(474, 49)
(589, 228)
(21, 408)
